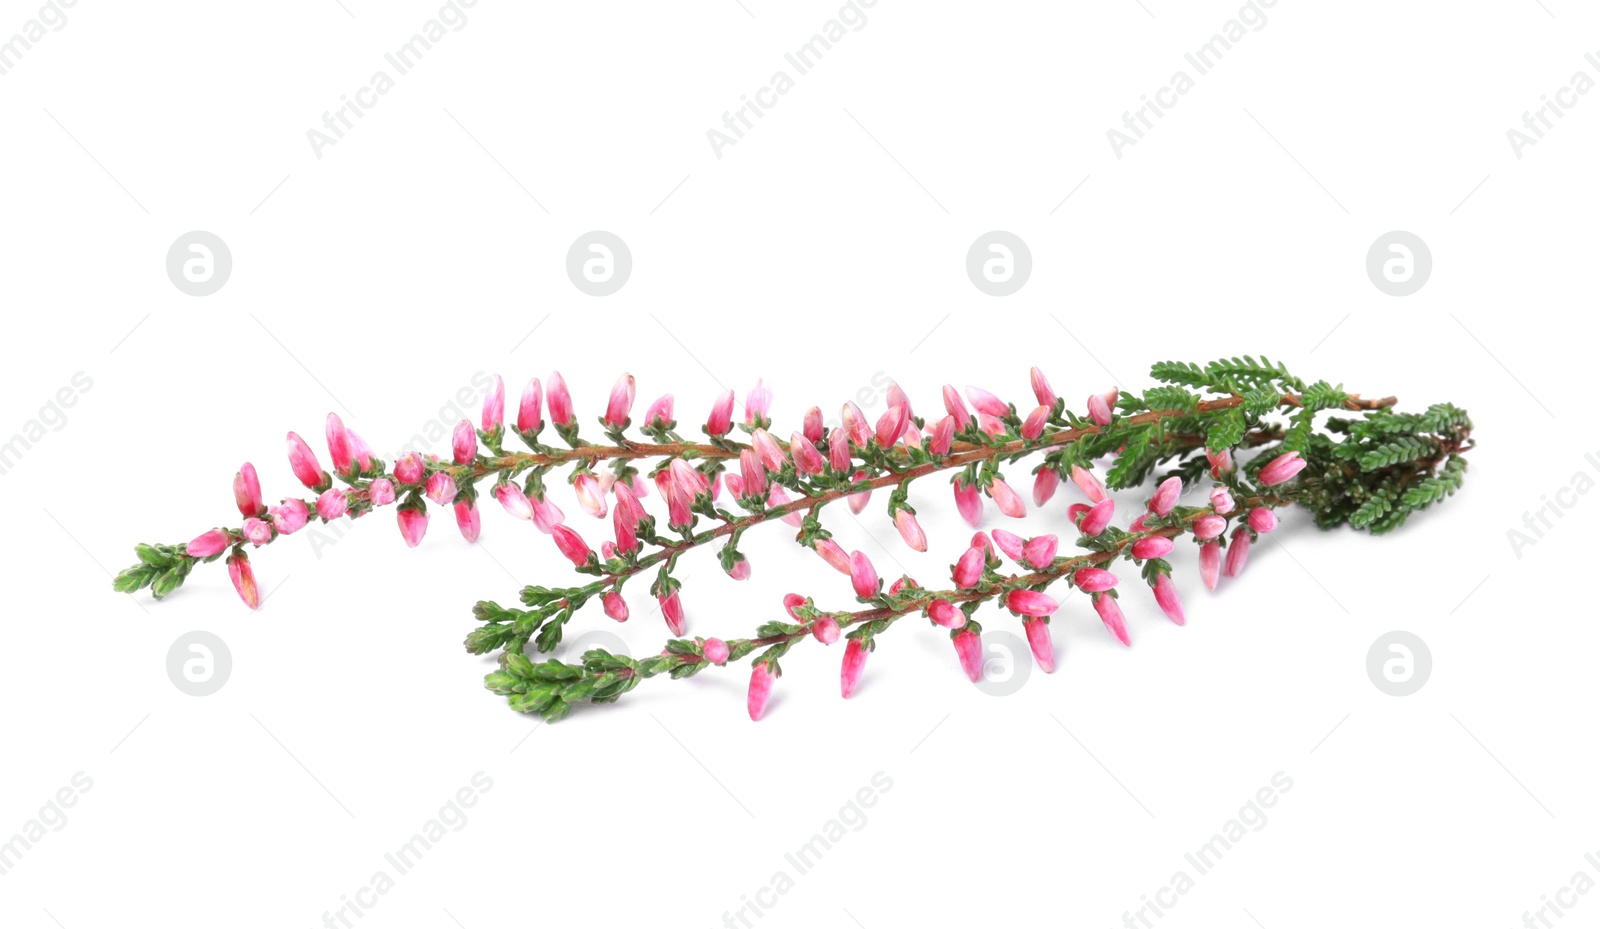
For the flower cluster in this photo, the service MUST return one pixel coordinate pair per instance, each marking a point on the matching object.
(1244, 426)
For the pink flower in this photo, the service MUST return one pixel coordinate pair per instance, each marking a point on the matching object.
(858, 501)
(1045, 482)
(529, 418)
(1152, 547)
(826, 630)
(1006, 499)
(715, 651)
(839, 449)
(753, 474)
(672, 612)
(620, 404)
(897, 397)
(790, 603)
(247, 491)
(339, 448)
(494, 406)
(758, 404)
(1094, 580)
(910, 530)
(1221, 500)
(207, 544)
(1038, 630)
(990, 425)
(969, 502)
(987, 403)
(626, 529)
(855, 424)
(1041, 388)
(413, 524)
(546, 515)
(304, 462)
(970, 651)
(1008, 542)
(1166, 496)
(776, 497)
(1033, 426)
(244, 580)
(628, 503)
(1167, 598)
(1040, 552)
(513, 500)
(767, 447)
(807, 460)
(590, 496)
(464, 443)
(1111, 615)
(1210, 563)
(362, 451)
(290, 517)
(740, 570)
(811, 426)
(721, 418)
(956, 408)
(1099, 411)
(1281, 469)
(1098, 518)
(332, 504)
(572, 546)
(945, 614)
(979, 540)
(1209, 526)
(441, 488)
(659, 413)
(1089, 484)
(942, 436)
(761, 679)
(863, 576)
(833, 555)
(969, 568)
(855, 660)
(381, 492)
(1031, 603)
(1238, 552)
(559, 400)
(468, 520)
(1221, 462)
(617, 608)
(258, 531)
(409, 469)
(892, 424)
(1138, 524)
(1263, 519)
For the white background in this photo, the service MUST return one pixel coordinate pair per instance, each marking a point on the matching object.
(826, 247)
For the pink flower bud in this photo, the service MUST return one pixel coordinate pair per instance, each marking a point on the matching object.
(247, 491)
(1031, 603)
(304, 462)
(721, 418)
(760, 690)
(1221, 462)
(833, 555)
(546, 515)
(441, 488)
(590, 496)
(777, 497)
(826, 630)
(715, 651)
(1008, 542)
(1153, 547)
(1167, 598)
(891, 424)
(839, 449)
(1138, 524)
(969, 502)
(1111, 615)
(620, 404)
(753, 473)
(628, 502)
(956, 408)
(468, 520)
(572, 546)
(812, 426)
(1089, 484)
(1263, 519)
(380, 492)
(1099, 411)
(1045, 482)
(291, 517)
(740, 570)
(1033, 426)
(1040, 552)
(807, 460)
(969, 568)
(1210, 563)
(767, 447)
(1076, 510)
(559, 400)
(1044, 652)
(863, 576)
(945, 614)
(362, 451)
(413, 524)
(1209, 526)
(910, 530)
(672, 612)
(855, 660)
(339, 448)
(790, 603)
(617, 608)
(529, 417)
(757, 404)
(244, 580)
(332, 504)
(464, 443)
(1166, 496)
(1098, 517)
(409, 469)
(257, 531)
(514, 500)
(1006, 499)
(855, 424)
(1281, 468)
(1041, 388)
(626, 528)
(902, 583)
(1094, 580)
(494, 406)
(969, 649)
(942, 436)
(608, 550)
(980, 540)
(1238, 552)
(990, 425)
(1221, 500)
(897, 397)
(659, 413)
